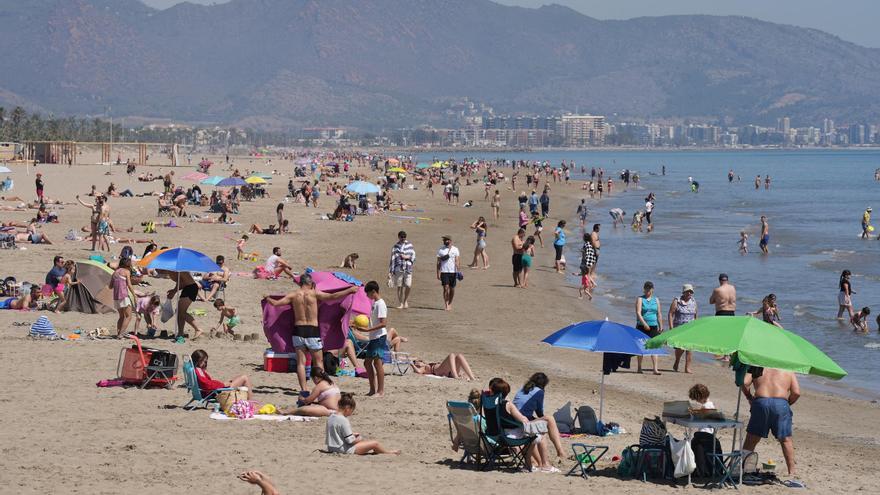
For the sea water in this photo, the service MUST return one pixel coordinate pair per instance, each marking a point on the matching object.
(814, 207)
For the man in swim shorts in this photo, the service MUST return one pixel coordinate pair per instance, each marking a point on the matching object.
(765, 235)
(775, 391)
(306, 334)
(517, 244)
(724, 297)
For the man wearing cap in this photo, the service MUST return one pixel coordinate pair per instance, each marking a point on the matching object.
(400, 268)
(724, 297)
(447, 269)
(866, 222)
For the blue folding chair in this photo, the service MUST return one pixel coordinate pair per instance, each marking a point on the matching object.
(465, 427)
(509, 452)
(192, 385)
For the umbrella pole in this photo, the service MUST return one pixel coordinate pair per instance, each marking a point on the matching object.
(739, 395)
(601, 396)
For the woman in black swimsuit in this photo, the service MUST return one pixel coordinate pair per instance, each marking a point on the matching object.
(189, 292)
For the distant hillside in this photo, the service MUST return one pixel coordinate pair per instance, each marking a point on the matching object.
(391, 62)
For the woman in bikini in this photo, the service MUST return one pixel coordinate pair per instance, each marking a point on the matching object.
(189, 292)
(95, 216)
(454, 366)
(323, 401)
(26, 301)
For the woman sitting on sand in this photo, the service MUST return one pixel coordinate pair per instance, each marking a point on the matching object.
(208, 384)
(454, 366)
(323, 401)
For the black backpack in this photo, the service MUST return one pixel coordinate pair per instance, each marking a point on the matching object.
(331, 363)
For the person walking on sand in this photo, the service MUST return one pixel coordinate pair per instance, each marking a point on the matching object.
(775, 391)
(517, 259)
(39, 186)
(559, 246)
(765, 235)
(400, 268)
(306, 334)
(724, 297)
(683, 310)
(447, 270)
(596, 245)
(844, 296)
(481, 229)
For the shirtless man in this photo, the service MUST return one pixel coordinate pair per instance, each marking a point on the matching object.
(594, 241)
(765, 235)
(517, 244)
(724, 297)
(306, 335)
(775, 391)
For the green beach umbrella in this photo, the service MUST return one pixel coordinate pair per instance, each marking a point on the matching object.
(755, 342)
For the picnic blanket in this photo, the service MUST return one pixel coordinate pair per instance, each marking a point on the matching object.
(333, 316)
(219, 416)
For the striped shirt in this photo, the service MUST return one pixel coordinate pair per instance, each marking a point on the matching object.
(398, 264)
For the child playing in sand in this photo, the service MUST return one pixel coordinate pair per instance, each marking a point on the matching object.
(860, 320)
(147, 307)
(226, 313)
(208, 384)
(239, 247)
(743, 243)
(340, 438)
(587, 285)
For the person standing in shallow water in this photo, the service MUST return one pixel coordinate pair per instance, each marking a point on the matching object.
(765, 235)
(683, 310)
(844, 296)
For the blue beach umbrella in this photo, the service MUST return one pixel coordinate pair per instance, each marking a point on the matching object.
(231, 182)
(183, 260)
(602, 336)
(212, 181)
(423, 166)
(362, 187)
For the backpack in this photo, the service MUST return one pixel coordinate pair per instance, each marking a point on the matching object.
(627, 466)
(653, 432)
(331, 363)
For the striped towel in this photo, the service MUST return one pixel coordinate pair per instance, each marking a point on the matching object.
(43, 328)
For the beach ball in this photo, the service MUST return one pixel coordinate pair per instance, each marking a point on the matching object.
(361, 321)
(870, 228)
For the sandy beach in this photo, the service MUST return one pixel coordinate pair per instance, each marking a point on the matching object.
(62, 434)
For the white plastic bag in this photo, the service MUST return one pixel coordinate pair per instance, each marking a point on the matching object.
(167, 310)
(682, 456)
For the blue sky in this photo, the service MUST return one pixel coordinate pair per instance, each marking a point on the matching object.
(852, 20)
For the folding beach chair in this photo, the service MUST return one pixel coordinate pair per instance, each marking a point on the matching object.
(509, 452)
(221, 292)
(399, 362)
(465, 425)
(586, 456)
(192, 385)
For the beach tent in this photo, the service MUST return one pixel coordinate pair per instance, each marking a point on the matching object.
(92, 295)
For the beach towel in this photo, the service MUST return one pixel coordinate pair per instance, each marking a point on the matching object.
(219, 416)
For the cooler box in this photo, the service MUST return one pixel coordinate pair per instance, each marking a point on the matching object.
(279, 362)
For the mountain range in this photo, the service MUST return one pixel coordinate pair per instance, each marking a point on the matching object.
(378, 63)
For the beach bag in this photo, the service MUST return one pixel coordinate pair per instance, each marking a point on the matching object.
(587, 420)
(230, 397)
(242, 409)
(564, 419)
(627, 466)
(682, 457)
(653, 432)
(702, 448)
(167, 310)
(331, 363)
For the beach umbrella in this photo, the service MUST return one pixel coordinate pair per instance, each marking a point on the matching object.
(4, 170)
(362, 187)
(231, 182)
(183, 260)
(602, 336)
(148, 258)
(438, 165)
(195, 176)
(212, 181)
(397, 170)
(255, 180)
(754, 342)
(423, 166)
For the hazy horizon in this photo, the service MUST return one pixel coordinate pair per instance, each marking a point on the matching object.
(853, 23)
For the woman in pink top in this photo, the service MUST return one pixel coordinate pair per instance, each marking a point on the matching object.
(120, 282)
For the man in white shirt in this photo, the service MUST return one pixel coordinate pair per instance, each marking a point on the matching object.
(377, 332)
(275, 264)
(447, 269)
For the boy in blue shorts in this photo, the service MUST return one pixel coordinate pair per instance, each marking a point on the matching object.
(377, 332)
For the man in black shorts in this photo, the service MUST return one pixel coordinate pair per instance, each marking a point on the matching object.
(447, 270)
(517, 245)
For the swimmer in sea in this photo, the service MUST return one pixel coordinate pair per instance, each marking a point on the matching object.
(757, 183)
(743, 243)
(765, 235)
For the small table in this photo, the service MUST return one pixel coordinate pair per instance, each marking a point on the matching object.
(691, 423)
